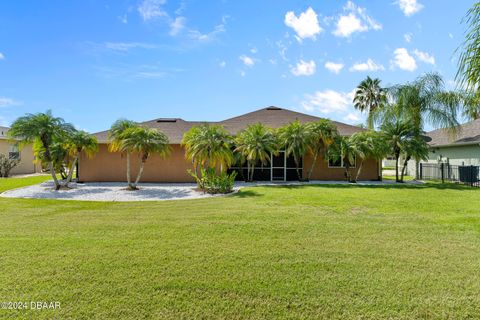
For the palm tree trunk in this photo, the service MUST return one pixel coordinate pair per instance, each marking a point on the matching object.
(298, 169)
(54, 175)
(139, 175)
(252, 171)
(70, 171)
(359, 170)
(129, 181)
(314, 161)
(396, 168)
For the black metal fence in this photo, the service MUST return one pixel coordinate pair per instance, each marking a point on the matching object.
(468, 175)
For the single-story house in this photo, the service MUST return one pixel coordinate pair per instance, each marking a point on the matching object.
(462, 149)
(13, 150)
(108, 166)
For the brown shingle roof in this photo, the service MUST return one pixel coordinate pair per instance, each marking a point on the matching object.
(469, 134)
(272, 117)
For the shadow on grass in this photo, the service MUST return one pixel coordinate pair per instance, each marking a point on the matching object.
(245, 194)
(428, 185)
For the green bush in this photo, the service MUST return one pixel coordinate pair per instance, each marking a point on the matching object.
(6, 165)
(211, 182)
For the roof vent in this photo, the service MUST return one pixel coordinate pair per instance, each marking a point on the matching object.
(274, 108)
(162, 120)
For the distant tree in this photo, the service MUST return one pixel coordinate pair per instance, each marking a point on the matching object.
(369, 97)
(321, 135)
(146, 142)
(295, 138)
(6, 165)
(116, 136)
(44, 129)
(256, 143)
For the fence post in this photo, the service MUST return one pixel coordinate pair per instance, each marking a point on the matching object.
(471, 175)
(421, 171)
(442, 172)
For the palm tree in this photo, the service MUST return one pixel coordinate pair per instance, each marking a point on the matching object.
(146, 142)
(425, 101)
(415, 148)
(468, 74)
(43, 129)
(256, 143)
(117, 130)
(370, 145)
(343, 148)
(369, 97)
(78, 142)
(396, 133)
(208, 145)
(322, 134)
(295, 138)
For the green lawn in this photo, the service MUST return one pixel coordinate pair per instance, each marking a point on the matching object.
(267, 252)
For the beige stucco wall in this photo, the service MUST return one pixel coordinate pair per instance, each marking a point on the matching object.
(112, 166)
(27, 158)
(321, 171)
(108, 166)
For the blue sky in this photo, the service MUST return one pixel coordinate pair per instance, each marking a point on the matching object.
(95, 61)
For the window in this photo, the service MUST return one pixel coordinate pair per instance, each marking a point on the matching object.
(339, 163)
(14, 152)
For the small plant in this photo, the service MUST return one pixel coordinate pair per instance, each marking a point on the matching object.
(211, 182)
(6, 165)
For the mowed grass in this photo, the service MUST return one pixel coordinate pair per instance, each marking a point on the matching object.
(267, 252)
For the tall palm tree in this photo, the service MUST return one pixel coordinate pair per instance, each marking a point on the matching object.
(468, 74)
(208, 145)
(369, 97)
(425, 101)
(146, 142)
(77, 142)
(322, 134)
(295, 138)
(256, 143)
(116, 133)
(43, 129)
(343, 148)
(371, 145)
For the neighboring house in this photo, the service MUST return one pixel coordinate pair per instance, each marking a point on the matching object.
(107, 166)
(462, 149)
(13, 150)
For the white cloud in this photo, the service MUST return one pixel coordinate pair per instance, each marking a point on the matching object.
(177, 25)
(126, 46)
(7, 102)
(334, 67)
(410, 7)
(206, 37)
(328, 101)
(306, 25)
(404, 60)
(151, 9)
(254, 50)
(354, 19)
(352, 117)
(222, 64)
(424, 56)
(408, 37)
(248, 61)
(2, 56)
(304, 68)
(369, 65)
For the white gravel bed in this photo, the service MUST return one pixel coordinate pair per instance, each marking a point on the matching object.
(116, 191)
(109, 191)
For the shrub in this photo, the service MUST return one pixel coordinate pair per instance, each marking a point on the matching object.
(6, 165)
(210, 182)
